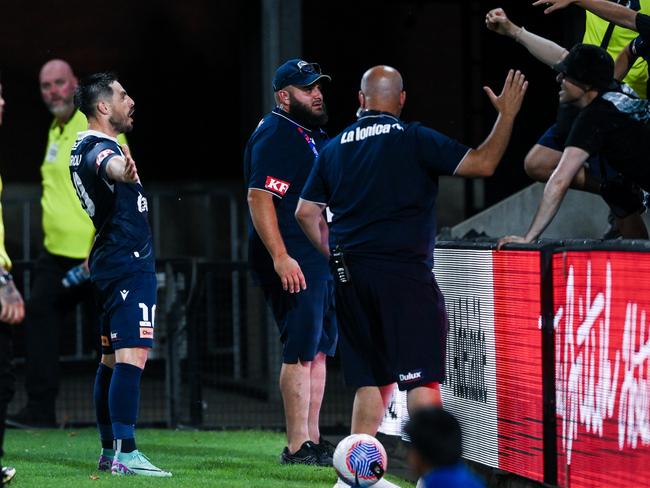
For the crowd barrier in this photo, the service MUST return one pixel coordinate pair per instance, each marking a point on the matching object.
(548, 359)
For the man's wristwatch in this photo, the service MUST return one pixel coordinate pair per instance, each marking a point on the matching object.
(5, 278)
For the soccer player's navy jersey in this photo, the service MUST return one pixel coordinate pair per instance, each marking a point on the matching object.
(379, 178)
(123, 242)
(278, 159)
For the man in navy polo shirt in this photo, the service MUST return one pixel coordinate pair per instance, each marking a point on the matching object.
(379, 178)
(293, 275)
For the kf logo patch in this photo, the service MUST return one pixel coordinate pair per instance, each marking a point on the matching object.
(124, 293)
(277, 186)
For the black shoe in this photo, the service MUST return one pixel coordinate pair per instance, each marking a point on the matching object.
(326, 450)
(307, 454)
(8, 474)
(27, 419)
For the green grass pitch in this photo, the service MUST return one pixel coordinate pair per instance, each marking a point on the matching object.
(68, 459)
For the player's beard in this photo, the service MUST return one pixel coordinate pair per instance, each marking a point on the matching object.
(305, 115)
(121, 125)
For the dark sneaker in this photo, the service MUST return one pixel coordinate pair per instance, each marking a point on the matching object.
(8, 474)
(307, 454)
(105, 460)
(326, 450)
(26, 419)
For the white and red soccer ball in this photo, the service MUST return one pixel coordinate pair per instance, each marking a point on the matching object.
(360, 460)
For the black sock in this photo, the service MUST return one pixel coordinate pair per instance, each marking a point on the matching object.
(126, 445)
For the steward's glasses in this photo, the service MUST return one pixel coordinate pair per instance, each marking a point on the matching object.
(310, 69)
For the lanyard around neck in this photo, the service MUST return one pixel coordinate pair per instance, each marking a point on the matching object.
(310, 140)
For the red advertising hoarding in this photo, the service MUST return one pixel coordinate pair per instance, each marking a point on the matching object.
(602, 353)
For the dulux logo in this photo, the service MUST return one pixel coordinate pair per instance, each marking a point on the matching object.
(411, 376)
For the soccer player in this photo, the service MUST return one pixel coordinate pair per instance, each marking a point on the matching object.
(380, 179)
(122, 267)
(67, 238)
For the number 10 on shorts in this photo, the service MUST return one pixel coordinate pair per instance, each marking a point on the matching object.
(146, 325)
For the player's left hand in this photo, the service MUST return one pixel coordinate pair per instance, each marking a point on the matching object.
(553, 5)
(507, 239)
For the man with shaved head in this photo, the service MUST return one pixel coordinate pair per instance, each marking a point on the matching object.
(68, 235)
(379, 178)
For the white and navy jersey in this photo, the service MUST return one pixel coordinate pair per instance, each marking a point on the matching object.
(119, 211)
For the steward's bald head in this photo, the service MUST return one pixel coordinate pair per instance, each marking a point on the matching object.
(382, 89)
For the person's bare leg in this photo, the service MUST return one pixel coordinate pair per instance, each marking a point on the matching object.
(541, 161)
(295, 388)
(370, 403)
(421, 397)
(318, 376)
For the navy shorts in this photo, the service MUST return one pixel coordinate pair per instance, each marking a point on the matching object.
(593, 164)
(127, 311)
(306, 320)
(393, 328)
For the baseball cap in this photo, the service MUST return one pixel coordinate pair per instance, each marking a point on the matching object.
(297, 72)
(590, 65)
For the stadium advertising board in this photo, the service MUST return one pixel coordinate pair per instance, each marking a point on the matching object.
(602, 351)
(494, 360)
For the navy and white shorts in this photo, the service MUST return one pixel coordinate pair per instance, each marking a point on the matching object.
(393, 328)
(127, 311)
(306, 320)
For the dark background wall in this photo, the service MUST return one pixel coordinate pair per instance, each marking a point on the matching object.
(193, 68)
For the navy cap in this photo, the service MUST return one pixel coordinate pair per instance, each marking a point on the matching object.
(297, 72)
(590, 65)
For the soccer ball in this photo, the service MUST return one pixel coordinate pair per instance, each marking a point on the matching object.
(360, 460)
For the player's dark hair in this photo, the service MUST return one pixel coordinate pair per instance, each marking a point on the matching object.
(91, 89)
(436, 435)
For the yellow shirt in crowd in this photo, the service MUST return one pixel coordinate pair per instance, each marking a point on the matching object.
(595, 29)
(4, 257)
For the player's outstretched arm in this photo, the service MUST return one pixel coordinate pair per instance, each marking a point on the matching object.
(541, 48)
(123, 169)
(611, 11)
(484, 160)
(555, 189)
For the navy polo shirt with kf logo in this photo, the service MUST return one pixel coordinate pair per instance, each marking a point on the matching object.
(278, 159)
